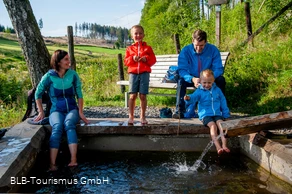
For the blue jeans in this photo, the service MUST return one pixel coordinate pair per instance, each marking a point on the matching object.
(182, 89)
(63, 121)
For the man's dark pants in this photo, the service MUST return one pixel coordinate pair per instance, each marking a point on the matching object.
(182, 88)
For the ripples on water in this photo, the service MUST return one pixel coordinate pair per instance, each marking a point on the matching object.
(162, 172)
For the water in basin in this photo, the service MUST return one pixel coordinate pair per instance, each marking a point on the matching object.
(155, 172)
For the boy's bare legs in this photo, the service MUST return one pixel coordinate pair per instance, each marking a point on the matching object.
(131, 103)
(223, 139)
(143, 104)
(213, 133)
(53, 156)
(73, 152)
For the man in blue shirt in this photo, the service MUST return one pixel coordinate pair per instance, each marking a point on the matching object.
(193, 59)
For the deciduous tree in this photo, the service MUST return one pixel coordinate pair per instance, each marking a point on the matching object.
(31, 41)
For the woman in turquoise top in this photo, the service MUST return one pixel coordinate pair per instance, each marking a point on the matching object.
(63, 86)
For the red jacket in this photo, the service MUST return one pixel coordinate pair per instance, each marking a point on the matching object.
(141, 50)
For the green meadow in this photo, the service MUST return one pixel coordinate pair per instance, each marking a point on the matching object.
(96, 66)
(258, 77)
(91, 61)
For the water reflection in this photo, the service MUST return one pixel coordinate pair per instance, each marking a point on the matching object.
(161, 172)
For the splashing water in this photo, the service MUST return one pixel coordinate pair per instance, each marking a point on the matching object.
(183, 167)
(199, 162)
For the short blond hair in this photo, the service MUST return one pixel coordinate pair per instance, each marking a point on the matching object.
(137, 26)
(207, 73)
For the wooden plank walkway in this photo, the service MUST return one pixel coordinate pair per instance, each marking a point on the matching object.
(158, 126)
(155, 126)
(254, 124)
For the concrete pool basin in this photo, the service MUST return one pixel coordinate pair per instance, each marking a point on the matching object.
(22, 143)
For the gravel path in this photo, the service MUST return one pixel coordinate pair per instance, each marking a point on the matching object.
(118, 112)
(121, 112)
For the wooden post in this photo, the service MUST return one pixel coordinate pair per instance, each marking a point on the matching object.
(202, 9)
(121, 71)
(271, 20)
(248, 19)
(217, 4)
(257, 123)
(218, 25)
(71, 47)
(177, 43)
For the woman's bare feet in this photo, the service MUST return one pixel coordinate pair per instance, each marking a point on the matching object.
(53, 167)
(226, 149)
(220, 151)
(71, 164)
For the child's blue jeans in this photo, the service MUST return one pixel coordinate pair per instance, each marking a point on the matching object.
(63, 122)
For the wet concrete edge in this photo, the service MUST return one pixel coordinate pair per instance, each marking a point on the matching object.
(22, 143)
(275, 157)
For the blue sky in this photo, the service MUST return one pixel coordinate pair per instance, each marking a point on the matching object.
(58, 14)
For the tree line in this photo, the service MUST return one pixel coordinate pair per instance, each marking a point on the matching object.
(118, 35)
(96, 31)
(6, 29)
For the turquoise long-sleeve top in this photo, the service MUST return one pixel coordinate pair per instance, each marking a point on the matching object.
(62, 91)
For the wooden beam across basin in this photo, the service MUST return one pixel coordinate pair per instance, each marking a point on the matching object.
(248, 125)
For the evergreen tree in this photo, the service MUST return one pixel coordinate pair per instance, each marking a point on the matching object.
(76, 29)
(41, 24)
(2, 28)
(110, 33)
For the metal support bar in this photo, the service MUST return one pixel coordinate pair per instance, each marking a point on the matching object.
(126, 99)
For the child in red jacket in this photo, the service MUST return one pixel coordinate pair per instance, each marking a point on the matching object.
(139, 58)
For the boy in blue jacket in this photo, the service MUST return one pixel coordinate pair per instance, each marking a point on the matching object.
(212, 107)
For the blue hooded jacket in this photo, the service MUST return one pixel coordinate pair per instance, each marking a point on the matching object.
(62, 91)
(210, 102)
(188, 61)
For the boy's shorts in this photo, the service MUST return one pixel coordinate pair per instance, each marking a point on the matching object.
(139, 83)
(208, 119)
